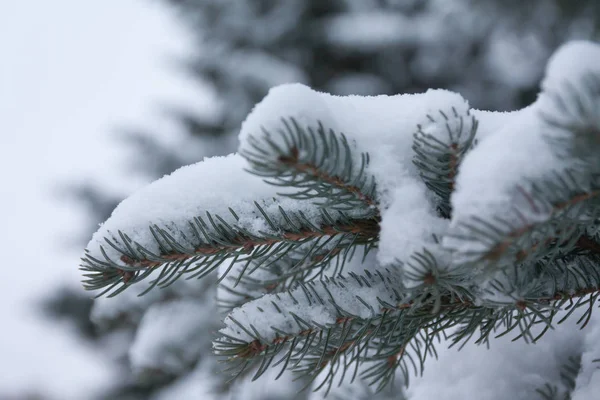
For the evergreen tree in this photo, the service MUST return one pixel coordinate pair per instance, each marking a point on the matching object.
(350, 235)
(342, 47)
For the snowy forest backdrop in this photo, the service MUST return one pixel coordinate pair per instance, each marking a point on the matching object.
(223, 57)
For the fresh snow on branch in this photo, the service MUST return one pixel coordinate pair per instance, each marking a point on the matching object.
(513, 153)
(498, 180)
(215, 185)
(479, 222)
(383, 127)
(354, 296)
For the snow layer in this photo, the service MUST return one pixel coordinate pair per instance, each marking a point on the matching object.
(358, 299)
(490, 183)
(569, 63)
(382, 126)
(490, 176)
(517, 152)
(214, 186)
(407, 227)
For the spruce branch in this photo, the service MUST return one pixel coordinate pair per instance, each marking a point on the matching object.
(323, 258)
(562, 208)
(516, 262)
(310, 346)
(318, 164)
(207, 243)
(438, 159)
(399, 328)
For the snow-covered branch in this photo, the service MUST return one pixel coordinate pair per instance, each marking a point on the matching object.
(476, 224)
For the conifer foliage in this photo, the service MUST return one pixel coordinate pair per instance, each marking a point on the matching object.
(349, 236)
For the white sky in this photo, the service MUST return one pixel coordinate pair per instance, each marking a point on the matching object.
(70, 72)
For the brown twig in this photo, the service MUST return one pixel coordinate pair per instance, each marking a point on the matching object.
(497, 251)
(293, 161)
(256, 347)
(368, 228)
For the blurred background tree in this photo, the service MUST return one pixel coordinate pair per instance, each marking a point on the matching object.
(491, 51)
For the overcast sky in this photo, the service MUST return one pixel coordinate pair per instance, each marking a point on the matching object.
(70, 71)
